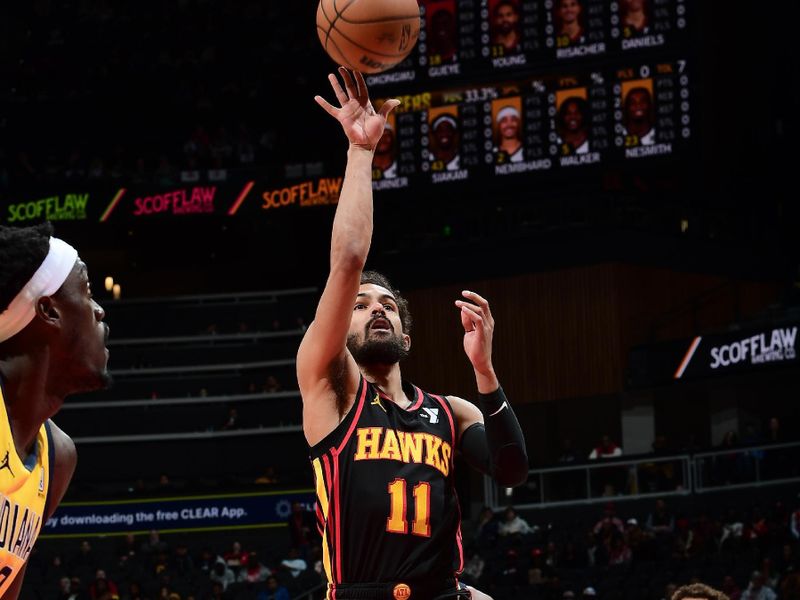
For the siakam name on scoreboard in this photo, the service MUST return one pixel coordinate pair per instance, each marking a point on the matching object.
(191, 201)
(72, 207)
(321, 192)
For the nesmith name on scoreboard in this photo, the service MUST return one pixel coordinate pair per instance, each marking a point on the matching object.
(640, 151)
(780, 347)
(522, 167)
(585, 50)
(648, 41)
(444, 70)
(580, 159)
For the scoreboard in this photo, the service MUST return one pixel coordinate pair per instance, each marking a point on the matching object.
(504, 87)
(575, 118)
(474, 38)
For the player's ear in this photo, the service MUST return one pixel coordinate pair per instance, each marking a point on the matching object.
(406, 342)
(47, 311)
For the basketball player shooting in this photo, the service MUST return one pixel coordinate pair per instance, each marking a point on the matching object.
(381, 448)
(52, 344)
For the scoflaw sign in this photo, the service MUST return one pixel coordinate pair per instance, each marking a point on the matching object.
(714, 355)
(196, 513)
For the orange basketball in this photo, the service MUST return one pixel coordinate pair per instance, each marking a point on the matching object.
(368, 35)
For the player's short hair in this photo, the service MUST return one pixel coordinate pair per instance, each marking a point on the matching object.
(582, 105)
(698, 590)
(502, 3)
(22, 251)
(380, 279)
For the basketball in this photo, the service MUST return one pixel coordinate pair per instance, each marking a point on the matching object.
(370, 36)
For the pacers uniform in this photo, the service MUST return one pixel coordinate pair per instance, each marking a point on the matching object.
(23, 497)
(387, 506)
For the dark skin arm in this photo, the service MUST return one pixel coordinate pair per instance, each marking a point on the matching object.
(66, 459)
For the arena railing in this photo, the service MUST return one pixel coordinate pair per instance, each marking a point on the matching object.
(205, 337)
(222, 298)
(651, 477)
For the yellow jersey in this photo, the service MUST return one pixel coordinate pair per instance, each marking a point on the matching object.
(24, 486)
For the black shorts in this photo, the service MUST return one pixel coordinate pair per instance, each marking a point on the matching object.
(447, 590)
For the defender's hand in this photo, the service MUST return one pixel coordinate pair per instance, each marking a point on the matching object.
(362, 125)
(476, 317)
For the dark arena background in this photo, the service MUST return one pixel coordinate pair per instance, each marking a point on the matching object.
(642, 268)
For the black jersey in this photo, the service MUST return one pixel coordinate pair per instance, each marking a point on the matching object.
(387, 506)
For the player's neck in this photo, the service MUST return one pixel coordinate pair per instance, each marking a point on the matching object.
(508, 40)
(383, 161)
(635, 19)
(29, 401)
(510, 146)
(573, 30)
(389, 380)
(575, 138)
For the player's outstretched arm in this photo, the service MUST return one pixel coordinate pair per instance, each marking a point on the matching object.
(491, 438)
(326, 373)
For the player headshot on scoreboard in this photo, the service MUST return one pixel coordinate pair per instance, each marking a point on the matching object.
(507, 130)
(635, 20)
(572, 121)
(440, 19)
(445, 138)
(384, 162)
(504, 25)
(569, 21)
(638, 112)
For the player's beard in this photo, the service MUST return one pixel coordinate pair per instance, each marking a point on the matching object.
(376, 352)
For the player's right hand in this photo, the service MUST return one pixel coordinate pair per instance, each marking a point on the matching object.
(362, 125)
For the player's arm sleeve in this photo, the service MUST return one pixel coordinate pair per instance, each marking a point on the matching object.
(497, 446)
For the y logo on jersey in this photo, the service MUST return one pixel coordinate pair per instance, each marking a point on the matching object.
(41, 480)
(430, 413)
(4, 464)
(377, 401)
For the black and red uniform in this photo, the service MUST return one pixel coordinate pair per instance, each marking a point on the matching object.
(387, 506)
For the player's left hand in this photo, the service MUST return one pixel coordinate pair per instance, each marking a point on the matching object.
(476, 317)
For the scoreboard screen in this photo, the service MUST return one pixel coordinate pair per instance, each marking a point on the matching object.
(575, 118)
(467, 38)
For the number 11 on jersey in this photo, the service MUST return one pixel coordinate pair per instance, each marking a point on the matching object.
(397, 521)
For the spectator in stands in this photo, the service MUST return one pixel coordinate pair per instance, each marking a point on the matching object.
(774, 432)
(605, 449)
(274, 591)
(513, 524)
(182, 563)
(236, 558)
(794, 524)
(697, 591)
(487, 527)
(255, 571)
(267, 477)
(568, 452)
(660, 521)
(730, 589)
(232, 422)
(589, 592)
(76, 591)
(758, 590)
(294, 563)
(154, 546)
(608, 521)
(63, 588)
(272, 385)
(220, 573)
(302, 529)
(669, 591)
(618, 551)
(790, 588)
(102, 588)
(473, 567)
